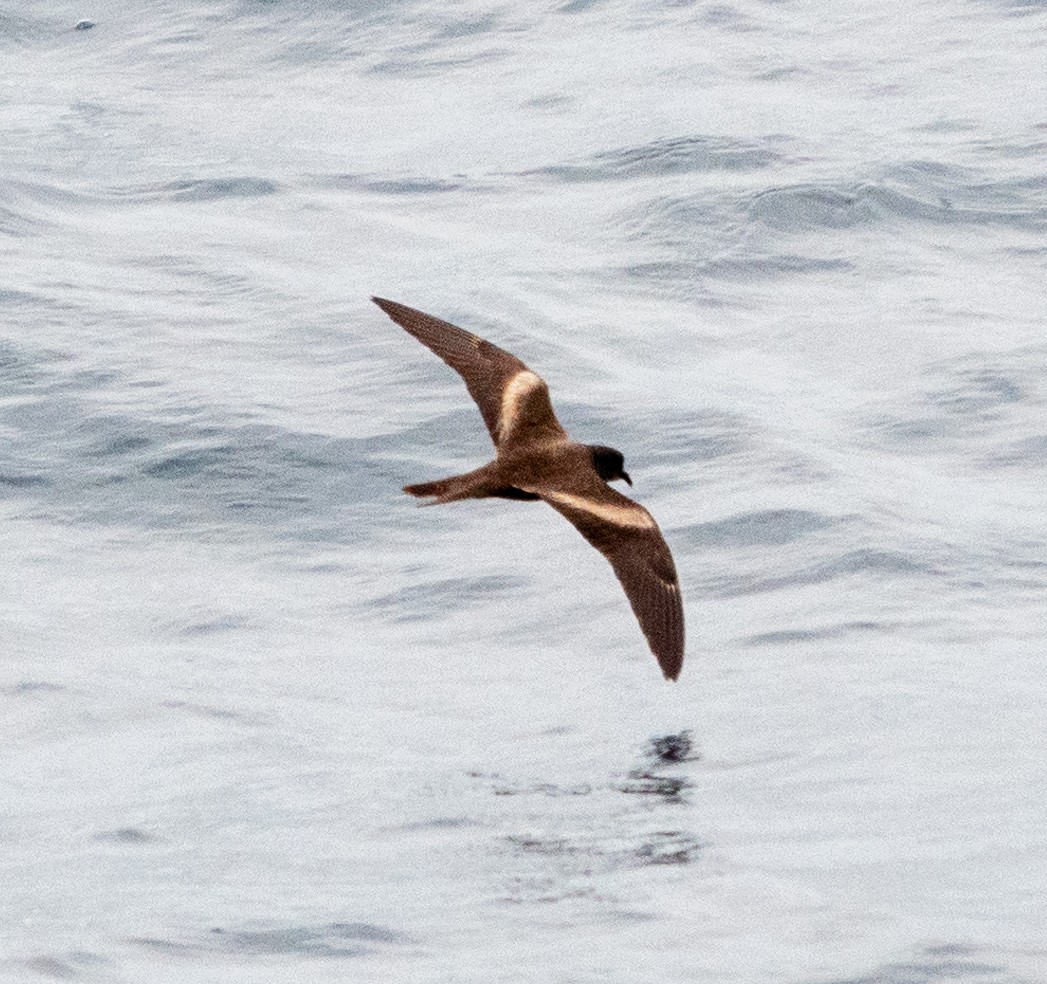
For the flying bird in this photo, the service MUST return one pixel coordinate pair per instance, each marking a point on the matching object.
(536, 459)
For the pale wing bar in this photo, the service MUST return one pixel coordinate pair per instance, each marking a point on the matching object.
(527, 415)
(627, 535)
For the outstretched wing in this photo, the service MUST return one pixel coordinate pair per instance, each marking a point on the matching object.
(627, 535)
(513, 400)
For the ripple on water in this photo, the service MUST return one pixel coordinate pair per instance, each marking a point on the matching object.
(430, 598)
(383, 184)
(130, 836)
(336, 939)
(199, 190)
(32, 688)
(918, 191)
(865, 562)
(971, 407)
(945, 963)
(675, 155)
(75, 965)
(768, 527)
(178, 474)
(790, 636)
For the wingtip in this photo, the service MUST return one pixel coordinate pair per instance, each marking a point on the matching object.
(671, 664)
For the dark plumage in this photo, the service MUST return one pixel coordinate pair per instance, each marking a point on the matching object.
(536, 459)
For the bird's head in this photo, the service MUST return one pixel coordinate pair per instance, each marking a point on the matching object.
(609, 463)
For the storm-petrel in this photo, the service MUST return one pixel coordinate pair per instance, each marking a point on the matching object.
(535, 459)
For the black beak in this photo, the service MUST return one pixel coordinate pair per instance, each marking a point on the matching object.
(625, 475)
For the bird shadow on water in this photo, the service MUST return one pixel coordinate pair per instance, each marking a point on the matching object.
(587, 841)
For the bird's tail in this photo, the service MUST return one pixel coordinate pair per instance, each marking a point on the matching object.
(472, 485)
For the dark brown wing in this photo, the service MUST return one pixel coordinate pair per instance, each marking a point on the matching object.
(514, 400)
(627, 535)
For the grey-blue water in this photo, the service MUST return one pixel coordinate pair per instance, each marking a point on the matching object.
(264, 720)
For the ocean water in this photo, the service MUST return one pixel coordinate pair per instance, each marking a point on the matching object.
(264, 720)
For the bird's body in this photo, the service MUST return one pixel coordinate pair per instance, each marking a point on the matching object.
(512, 473)
(536, 459)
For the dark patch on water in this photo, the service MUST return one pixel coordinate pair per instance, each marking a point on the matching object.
(182, 474)
(54, 968)
(19, 219)
(981, 397)
(674, 748)
(948, 125)
(692, 243)
(979, 392)
(408, 186)
(782, 72)
(33, 687)
(545, 889)
(789, 636)
(500, 786)
(549, 847)
(745, 268)
(204, 189)
(1028, 452)
(869, 561)
(659, 439)
(727, 18)
(19, 371)
(669, 847)
(413, 64)
(9, 355)
(118, 446)
(73, 966)
(464, 27)
(689, 277)
(642, 782)
(127, 835)
(699, 245)
(921, 192)
(702, 436)
(206, 711)
(329, 940)
(438, 823)
(552, 101)
(1018, 8)
(210, 626)
(431, 598)
(184, 464)
(913, 434)
(37, 375)
(578, 859)
(18, 225)
(767, 528)
(662, 847)
(949, 963)
(405, 185)
(22, 481)
(574, 867)
(804, 206)
(670, 156)
(587, 855)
